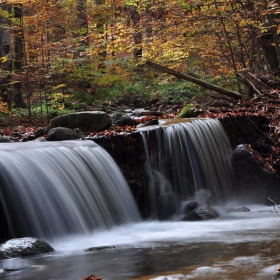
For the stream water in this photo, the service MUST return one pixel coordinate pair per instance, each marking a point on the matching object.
(234, 246)
(73, 195)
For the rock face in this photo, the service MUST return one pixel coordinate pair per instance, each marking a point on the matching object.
(23, 247)
(202, 213)
(63, 133)
(254, 183)
(244, 129)
(85, 121)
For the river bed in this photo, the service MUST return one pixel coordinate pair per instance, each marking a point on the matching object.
(238, 245)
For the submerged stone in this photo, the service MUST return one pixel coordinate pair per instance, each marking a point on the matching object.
(23, 247)
(239, 209)
(102, 248)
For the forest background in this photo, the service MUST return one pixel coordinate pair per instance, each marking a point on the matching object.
(58, 56)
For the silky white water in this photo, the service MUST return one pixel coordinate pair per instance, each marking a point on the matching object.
(234, 246)
(59, 188)
(184, 158)
(229, 228)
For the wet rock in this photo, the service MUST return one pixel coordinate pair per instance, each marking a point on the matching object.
(85, 121)
(190, 207)
(63, 133)
(151, 122)
(40, 139)
(204, 213)
(102, 248)
(23, 247)
(122, 120)
(5, 139)
(239, 209)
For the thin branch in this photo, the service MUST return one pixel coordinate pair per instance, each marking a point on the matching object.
(275, 204)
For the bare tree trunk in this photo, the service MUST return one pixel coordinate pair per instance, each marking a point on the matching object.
(5, 54)
(83, 20)
(18, 58)
(100, 25)
(196, 81)
(12, 50)
(137, 36)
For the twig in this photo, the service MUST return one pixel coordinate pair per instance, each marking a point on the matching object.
(275, 204)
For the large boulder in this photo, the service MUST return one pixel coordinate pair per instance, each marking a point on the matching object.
(23, 247)
(255, 183)
(202, 213)
(63, 133)
(85, 121)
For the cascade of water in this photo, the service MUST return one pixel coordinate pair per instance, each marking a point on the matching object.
(184, 158)
(62, 187)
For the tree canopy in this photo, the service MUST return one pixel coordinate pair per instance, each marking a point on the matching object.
(55, 43)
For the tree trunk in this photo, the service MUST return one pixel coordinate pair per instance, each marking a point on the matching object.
(196, 81)
(137, 35)
(11, 47)
(18, 58)
(101, 21)
(83, 20)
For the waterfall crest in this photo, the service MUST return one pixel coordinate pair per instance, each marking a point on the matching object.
(57, 188)
(184, 158)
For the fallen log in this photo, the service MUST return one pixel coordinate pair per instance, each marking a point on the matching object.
(196, 81)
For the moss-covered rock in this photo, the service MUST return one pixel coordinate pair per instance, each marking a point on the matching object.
(189, 111)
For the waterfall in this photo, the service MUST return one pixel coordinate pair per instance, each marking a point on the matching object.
(56, 188)
(183, 159)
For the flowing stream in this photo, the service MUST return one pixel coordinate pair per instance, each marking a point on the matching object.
(234, 246)
(73, 195)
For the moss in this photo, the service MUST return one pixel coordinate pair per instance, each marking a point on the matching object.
(190, 112)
